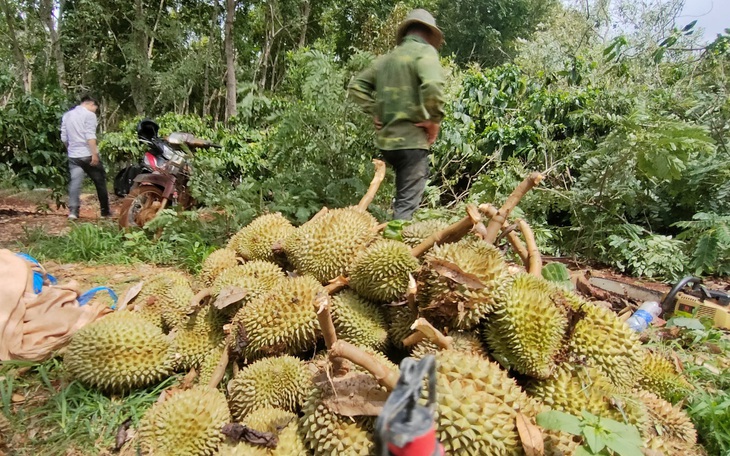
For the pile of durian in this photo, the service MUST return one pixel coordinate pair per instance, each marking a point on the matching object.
(251, 329)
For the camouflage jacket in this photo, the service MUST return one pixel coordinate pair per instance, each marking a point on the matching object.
(402, 88)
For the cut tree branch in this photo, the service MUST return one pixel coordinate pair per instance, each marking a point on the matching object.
(514, 240)
(495, 224)
(432, 334)
(535, 260)
(323, 304)
(383, 374)
(220, 369)
(374, 185)
(451, 233)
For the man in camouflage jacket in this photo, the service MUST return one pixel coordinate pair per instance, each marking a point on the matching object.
(403, 91)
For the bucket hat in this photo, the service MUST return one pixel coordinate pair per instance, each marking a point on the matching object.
(421, 16)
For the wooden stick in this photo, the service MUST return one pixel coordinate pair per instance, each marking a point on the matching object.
(514, 240)
(323, 304)
(434, 335)
(451, 233)
(535, 260)
(379, 228)
(413, 339)
(411, 293)
(385, 376)
(196, 302)
(337, 284)
(220, 369)
(495, 224)
(374, 185)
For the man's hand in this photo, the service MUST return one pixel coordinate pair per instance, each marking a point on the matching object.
(431, 128)
(95, 159)
(378, 124)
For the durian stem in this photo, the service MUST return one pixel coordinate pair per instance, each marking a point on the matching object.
(451, 233)
(411, 293)
(380, 228)
(337, 284)
(495, 224)
(323, 304)
(319, 214)
(220, 369)
(385, 377)
(374, 185)
(535, 260)
(196, 302)
(514, 240)
(413, 339)
(434, 335)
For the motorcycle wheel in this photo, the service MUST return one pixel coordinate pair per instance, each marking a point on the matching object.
(140, 206)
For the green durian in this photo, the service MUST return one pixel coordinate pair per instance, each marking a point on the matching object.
(659, 376)
(255, 240)
(282, 321)
(462, 342)
(326, 246)
(217, 262)
(400, 320)
(668, 428)
(284, 425)
(382, 271)
(281, 382)
(461, 305)
(194, 340)
(208, 365)
(176, 305)
(120, 352)
(155, 295)
(189, 423)
(528, 326)
(558, 443)
(256, 278)
(417, 232)
(358, 321)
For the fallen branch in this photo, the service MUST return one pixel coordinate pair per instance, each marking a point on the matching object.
(495, 224)
(384, 375)
(432, 334)
(324, 317)
(413, 339)
(451, 233)
(220, 369)
(514, 240)
(374, 185)
(535, 260)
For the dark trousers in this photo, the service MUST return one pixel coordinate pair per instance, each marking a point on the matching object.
(78, 167)
(411, 173)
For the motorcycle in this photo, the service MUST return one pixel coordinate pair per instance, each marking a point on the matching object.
(160, 179)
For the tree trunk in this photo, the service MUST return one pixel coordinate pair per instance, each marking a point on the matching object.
(54, 32)
(24, 75)
(230, 60)
(140, 86)
(307, 9)
(208, 55)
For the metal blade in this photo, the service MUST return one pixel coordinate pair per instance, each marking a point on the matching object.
(626, 290)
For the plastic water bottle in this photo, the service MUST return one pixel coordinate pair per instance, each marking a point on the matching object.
(640, 320)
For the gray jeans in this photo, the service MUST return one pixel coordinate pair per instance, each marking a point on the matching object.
(78, 167)
(411, 174)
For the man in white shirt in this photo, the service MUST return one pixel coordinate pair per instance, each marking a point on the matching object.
(78, 133)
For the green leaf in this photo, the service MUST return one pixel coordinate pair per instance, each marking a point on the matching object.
(593, 438)
(559, 421)
(625, 431)
(688, 323)
(583, 451)
(623, 445)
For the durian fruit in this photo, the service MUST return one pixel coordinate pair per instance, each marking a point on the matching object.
(326, 246)
(194, 340)
(217, 262)
(381, 272)
(400, 319)
(417, 232)
(6, 430)
(282, 321)
(255, 240)
(284, 425)
(462, 304)
(660, 376)
(528, 327)
(119, 352)
(281, 382)
(358, 321)
(326, 433)
(477, 406)
(465, 342)
(189, 423)
(176, 304)
(668, 428)
(256, 278)
(602, 341)
(558, 443)
(208, 365)
(574, 389)
(156, 295)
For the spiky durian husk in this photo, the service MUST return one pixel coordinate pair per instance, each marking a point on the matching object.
(602, 341)
(217, 262)
(176, 304)
(527, 328)
(6, 430)
(155, 295)
(358, 321)
(194, 340)
(462, 306)
(574, 389)
(188, 423)
(255, 240)
(668, 428)
(558, 443)
(417, 232)
(119, 352)
(326, 246)
(477, 406)
(462, 342)
(284, 425)
(660, 376)
(256, 278)
(400, 319)
(326, 433)
(282, 321)
(281, 382)
(382, 271)
(208, 365)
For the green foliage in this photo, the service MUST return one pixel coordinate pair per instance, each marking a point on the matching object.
(600, 436)
(558, 273)
(708, 235)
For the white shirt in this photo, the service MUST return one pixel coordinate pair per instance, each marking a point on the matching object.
(77, 127)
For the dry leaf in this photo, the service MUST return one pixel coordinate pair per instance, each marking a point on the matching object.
(229, 295)
(530, 435)
(130, 295)
(355, 394)
(455, 273)
(17, 398)
(122, 434)
(240, 433)
(189, 379)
